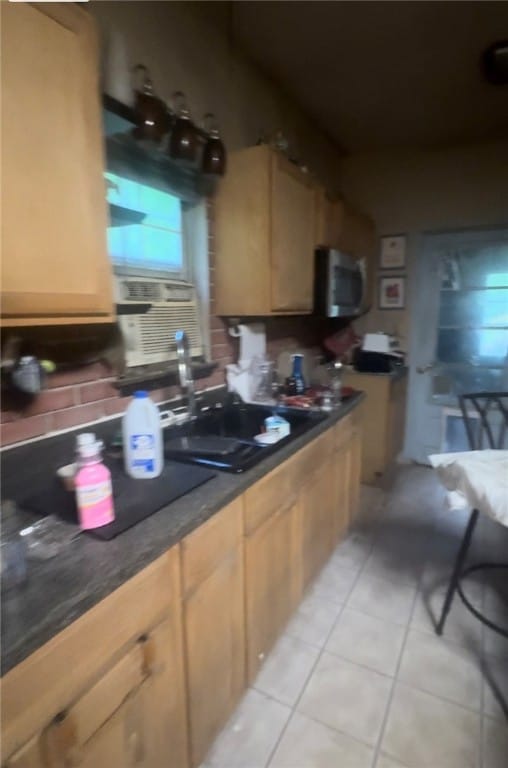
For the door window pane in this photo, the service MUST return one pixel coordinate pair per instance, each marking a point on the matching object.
(475, 267)
(477, 347)
(474, 308)
(472, 335)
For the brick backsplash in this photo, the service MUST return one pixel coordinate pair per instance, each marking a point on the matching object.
(87, 393)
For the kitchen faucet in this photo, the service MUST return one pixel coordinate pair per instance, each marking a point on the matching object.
(185, 370)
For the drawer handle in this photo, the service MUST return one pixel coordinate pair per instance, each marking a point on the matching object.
(150, 665)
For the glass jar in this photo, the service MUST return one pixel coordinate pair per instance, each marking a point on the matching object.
(335, 372)
(265, 376)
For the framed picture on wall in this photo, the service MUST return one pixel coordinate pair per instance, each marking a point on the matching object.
(393, 252)
(392, 292)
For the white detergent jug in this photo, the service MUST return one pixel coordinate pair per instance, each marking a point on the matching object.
(142, 438)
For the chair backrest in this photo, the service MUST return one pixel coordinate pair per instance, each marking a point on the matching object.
(485, 417)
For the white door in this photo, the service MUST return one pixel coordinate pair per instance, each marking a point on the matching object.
(459, 334)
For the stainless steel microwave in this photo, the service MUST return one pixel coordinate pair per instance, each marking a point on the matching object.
(339, 284)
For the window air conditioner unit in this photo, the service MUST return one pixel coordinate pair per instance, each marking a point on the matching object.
(149, 336)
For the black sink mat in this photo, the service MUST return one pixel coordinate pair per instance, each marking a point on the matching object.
(134, 500)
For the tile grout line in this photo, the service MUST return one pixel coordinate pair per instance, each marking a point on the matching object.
(377, 748)
(321, 650)
(391, 677)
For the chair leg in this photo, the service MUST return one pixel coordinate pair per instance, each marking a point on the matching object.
(457, 570)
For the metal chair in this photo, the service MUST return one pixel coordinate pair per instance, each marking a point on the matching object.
(485, 417)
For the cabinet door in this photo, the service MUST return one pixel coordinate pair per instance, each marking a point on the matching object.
(329, 221)
(317, 521)
(396, 418)
(292, 237)
(149, 728)
(241, 211)
(54, 254)
(357, 237)
(340, 491)
(355, 468)
(272, 582)
(214, 644)
(334, 222)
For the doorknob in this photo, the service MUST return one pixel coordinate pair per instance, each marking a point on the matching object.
(424, 368)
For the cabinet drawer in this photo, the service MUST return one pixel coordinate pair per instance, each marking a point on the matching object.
(343, 431)
(357, 415)
(274, 491)
(347, 426)
(205, 548)
(132, 715)
(312, 457)
(67, 734)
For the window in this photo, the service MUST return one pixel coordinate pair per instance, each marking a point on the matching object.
(158, 246)
(472, 340)
(145, 236)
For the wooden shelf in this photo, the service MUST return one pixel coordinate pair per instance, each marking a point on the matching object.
(124, 151)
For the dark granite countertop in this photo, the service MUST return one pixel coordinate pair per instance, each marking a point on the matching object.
(60, 590)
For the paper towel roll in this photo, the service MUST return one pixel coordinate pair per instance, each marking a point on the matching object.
(252, 340)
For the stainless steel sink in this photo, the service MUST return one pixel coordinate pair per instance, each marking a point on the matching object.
(223, 437)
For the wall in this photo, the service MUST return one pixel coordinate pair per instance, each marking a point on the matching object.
(415, 192)
(186, 47)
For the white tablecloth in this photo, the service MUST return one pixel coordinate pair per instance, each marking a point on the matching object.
(476, 479)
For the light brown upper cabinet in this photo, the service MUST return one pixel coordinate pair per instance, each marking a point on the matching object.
(265, 215)
(330, 219)
(55, 266)
(358, 238)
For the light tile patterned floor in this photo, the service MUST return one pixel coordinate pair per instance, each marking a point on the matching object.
(359, 679)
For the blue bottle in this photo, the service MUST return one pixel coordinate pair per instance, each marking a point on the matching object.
(297, 374)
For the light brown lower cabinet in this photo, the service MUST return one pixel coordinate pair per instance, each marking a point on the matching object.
(341, 491)
(149, 676)
(213, 621)
(125, 719)
(109, 689)
(317, 521)
(272, 581)
(385, 413)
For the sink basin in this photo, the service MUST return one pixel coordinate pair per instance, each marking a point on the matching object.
(223, 438)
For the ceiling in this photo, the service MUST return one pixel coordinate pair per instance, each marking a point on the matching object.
(377, 75)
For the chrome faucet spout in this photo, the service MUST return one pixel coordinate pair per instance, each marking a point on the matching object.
(185, 370)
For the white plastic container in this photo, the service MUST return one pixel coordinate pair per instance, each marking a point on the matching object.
(277, 425)
(142, 438)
